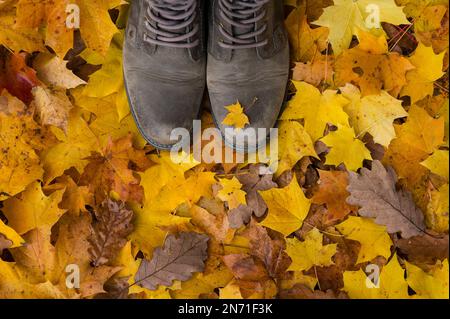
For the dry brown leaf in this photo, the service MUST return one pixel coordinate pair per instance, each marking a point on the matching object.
(375, 192)
(178, 259)
(109, 231)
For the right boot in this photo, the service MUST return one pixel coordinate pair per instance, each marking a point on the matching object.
(164, 64)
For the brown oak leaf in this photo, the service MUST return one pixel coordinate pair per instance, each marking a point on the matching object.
(109, 231)
(178, 259)
(375, 192)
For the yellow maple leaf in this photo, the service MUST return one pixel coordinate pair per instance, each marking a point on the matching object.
(294, 144)
(231, 291)
(18, 38)
(372, 67)
(316, 109)
(414, 144)
(374, 114)
(429, 285)
(346, 149)
(231, 193)
(427, 15)
(391, 283)
(96, 26)
(310, 252)
(157, 211)
(299, 278)
(306, 42)
(11, 235)
(32, 209)
(164, 172)
(373, 238)
(428, 69)
(438, 163)
(316, 72)
(236, 116)
(73, 148)
(288, 207)
(100, 84)
(437, 209)
(352, 16)
(20, 165)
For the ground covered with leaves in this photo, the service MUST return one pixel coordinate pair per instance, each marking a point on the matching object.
(361, 189)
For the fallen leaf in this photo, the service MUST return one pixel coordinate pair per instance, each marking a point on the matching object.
(109, 231)
(310, 252)
(332, 191)
(375, 192)
(373, 238)
(178, 259)
(288, 207)
(392, 284)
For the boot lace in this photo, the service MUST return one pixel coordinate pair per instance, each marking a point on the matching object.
(243, 15)
(170, 23)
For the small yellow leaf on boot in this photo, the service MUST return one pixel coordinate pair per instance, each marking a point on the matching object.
(236, 116)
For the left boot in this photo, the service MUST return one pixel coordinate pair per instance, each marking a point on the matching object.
(248, 61)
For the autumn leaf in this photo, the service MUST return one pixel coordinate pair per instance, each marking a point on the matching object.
(33, 209)
(421, 79)
(294, 143)
(373, 114)
(373, 238)
(109, 232)
(110, 171)
(375, 192)
(236, 116)
(310, 252)
(16, 76)
(269, 249)
(72, 148)
(53, 106)
(53, 71)
(392, 284)
(353, 15)
(305, 42)
(252, 183)
(332, 191)
(346, 149)
(231, 192)
(19, 158)
(436, 163)
(177, 260)
(371, 67)
(431, 285)
(288, 208)
(413, 145)
(316, 109)
(424, 248)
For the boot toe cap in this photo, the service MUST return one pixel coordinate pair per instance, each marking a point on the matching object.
(160, 108)
(262, 105)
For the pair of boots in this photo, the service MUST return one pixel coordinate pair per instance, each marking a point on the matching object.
(174, 48)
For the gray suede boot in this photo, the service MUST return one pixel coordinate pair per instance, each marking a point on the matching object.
(248, 61)
(164, 62)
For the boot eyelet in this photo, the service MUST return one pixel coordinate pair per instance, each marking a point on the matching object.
(131, 32)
